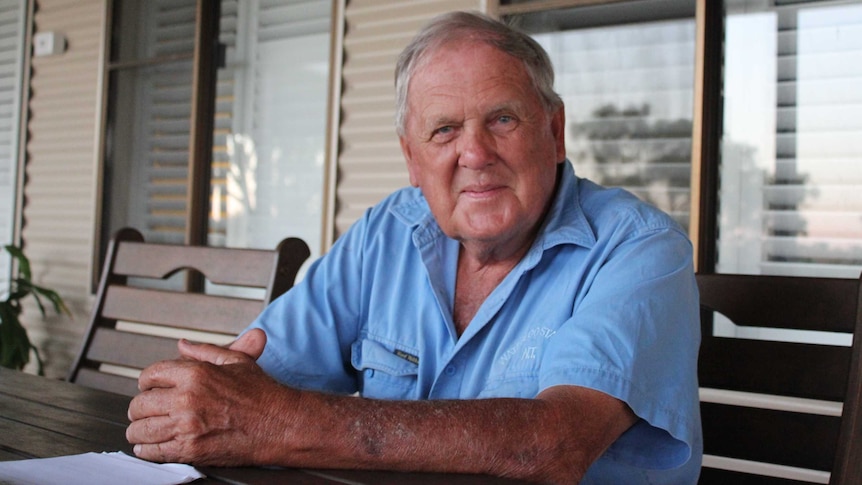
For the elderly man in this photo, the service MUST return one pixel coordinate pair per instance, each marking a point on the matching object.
(503, 316)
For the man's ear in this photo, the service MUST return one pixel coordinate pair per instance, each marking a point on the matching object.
(558, 130)
(412, 170)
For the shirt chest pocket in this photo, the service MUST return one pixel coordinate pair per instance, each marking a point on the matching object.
(385, 373)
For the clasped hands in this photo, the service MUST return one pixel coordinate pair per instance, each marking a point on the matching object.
(212, 406)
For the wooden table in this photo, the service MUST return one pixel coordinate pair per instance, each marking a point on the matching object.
(41, 418)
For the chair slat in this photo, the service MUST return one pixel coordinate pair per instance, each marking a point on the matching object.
(245, 267)
(182, 310)
(765, 435)
(782, 302)
(107, 382)
(716, 476)
(130, 349)
(782, 368)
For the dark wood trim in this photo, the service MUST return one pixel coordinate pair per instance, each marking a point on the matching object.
(150, 61)
(712, 100)
(202, 119)
(202, 125)
(540, 5)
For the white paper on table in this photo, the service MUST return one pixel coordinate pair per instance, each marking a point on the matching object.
(95, 469)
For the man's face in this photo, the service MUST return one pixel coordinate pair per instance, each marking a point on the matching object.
(480, 145)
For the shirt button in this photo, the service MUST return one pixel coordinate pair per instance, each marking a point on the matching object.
(450, 370)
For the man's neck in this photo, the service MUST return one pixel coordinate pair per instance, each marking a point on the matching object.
(478, 275)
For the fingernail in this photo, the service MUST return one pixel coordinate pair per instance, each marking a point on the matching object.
(137, 449)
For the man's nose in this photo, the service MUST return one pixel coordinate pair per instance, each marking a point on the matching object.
(477, 149)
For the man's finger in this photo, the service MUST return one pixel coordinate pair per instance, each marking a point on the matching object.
(158, 452)
(158, 429)
(210, 353)
(155, 402)
(250, 343)
(165, 373)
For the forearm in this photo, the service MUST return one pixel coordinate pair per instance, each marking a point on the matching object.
(536, 439)
(217, 407)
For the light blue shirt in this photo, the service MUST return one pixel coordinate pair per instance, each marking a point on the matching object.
(605, 298)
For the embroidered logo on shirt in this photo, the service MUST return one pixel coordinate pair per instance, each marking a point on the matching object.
(525, 349)
(408, 357)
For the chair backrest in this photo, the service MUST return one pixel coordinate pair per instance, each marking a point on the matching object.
(772, 411)
(138, 315)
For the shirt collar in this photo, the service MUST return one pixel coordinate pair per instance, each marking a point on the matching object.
(566, 221)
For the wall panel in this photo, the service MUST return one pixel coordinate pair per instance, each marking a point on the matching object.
(59, 209)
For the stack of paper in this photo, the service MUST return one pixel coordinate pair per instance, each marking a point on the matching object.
(95, 469)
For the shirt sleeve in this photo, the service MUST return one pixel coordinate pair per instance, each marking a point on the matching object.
(311, 328)
(635, 335)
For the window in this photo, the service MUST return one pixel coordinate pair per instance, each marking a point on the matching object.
(270, 124)
(788, 110)
(12, 16)
(149, 119)
(791, 166)
(626, 74)
(263, 174)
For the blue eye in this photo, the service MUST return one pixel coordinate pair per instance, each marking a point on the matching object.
(443, 134)
(505, 119)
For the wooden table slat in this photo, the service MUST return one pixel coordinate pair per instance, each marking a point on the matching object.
(266, 476)
(59, 421)
(61, 394)
(8, 455)
(41, 443)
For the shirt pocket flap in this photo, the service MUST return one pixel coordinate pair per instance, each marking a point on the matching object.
(370, 354)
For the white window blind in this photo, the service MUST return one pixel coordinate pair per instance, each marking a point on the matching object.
(12, 16)
(791, 186)
(165, 108)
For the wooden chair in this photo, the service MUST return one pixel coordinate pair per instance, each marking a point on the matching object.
(136, 321)
(780, 403)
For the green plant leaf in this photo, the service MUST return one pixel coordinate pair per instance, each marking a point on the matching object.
(29, 287)
(23, 262)
(52, 296)
(15, 345)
